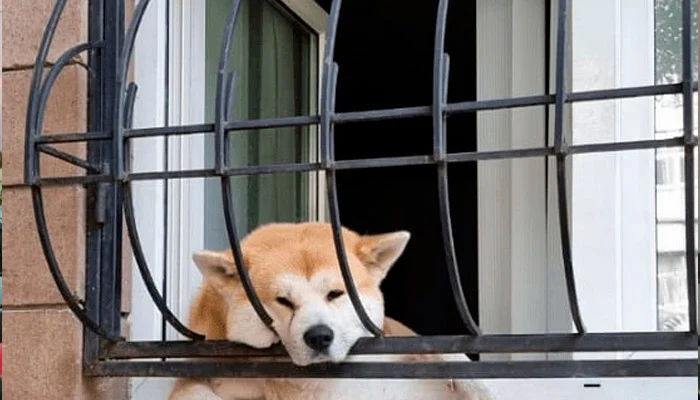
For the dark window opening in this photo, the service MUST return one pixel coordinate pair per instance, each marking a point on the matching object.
(386, 62)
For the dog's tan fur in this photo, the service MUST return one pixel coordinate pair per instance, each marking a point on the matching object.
(303, 250)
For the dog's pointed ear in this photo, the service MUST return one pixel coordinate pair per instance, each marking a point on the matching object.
(379, 252)
(216, 267)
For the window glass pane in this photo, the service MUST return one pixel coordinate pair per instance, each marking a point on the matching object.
(274, 57)
(672, 298)
(668, 38)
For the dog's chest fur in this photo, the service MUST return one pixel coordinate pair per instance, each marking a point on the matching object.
(349, 389)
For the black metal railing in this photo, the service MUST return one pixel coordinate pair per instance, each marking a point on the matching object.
(109, 179)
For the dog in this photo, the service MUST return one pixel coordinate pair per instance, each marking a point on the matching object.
(296, 274)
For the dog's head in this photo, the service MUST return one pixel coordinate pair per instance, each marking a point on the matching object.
(295, 272)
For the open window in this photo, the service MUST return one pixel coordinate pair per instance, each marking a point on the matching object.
(552, 132)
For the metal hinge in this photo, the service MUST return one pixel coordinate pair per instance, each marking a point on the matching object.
(100, 203)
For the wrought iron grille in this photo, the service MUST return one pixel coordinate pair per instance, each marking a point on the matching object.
(109, 182)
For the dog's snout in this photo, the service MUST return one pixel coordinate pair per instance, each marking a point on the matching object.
(319, 337)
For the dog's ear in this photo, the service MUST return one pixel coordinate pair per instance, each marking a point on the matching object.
(379, 252)
(216, 267)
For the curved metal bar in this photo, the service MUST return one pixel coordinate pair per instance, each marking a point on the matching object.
(440, 79)
(129, 105)
(231, 84)
(123, 67)
(231, 230)
(560, 149)
(56, 274)
(566, 244)
(31, 171)
(51, 78)
(31, 164)
(441, 68)
(327, 86)
(222, 86)
(225, 85)
(132, 230)
(144, 270)
(342, 258)
(330, 78)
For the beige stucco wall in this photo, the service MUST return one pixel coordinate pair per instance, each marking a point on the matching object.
(42, 339)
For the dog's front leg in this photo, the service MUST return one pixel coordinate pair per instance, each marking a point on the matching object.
(191, 389)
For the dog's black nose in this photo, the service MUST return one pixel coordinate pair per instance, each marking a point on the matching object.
(319, 337)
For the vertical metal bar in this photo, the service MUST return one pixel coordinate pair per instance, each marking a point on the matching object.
(560, 149)
(110, 232)
(223, 83)
(91, 341)
(441, 68)
(691, 272)
(330, 79)
(547, 90)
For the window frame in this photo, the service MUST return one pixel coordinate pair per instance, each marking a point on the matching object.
(185, 206)
(186, 106)
(101, 312)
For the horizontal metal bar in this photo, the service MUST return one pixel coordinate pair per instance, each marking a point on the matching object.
(499, 104)
(413, 112)
(373, 162)
(499, 154)
(279, 122)
(624, 146)
(380, 115)
(383, 162)
(539, 100)
(73, 137)
(624, 93)
(539, 343)
(436, 370)
(169, 130)
(73, 180)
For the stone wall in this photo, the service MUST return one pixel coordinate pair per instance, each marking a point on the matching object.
(42, 338)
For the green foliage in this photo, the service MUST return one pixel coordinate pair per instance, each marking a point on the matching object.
(668, 36)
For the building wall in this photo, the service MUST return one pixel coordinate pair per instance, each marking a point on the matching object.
(43, 340)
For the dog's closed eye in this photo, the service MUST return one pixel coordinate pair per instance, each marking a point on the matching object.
(285, 302)
(334, 294)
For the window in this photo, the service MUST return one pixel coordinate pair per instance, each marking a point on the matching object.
(541, 165)
(276, 58)
(276, 51)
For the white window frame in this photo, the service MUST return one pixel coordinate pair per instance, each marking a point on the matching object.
(186, 202)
